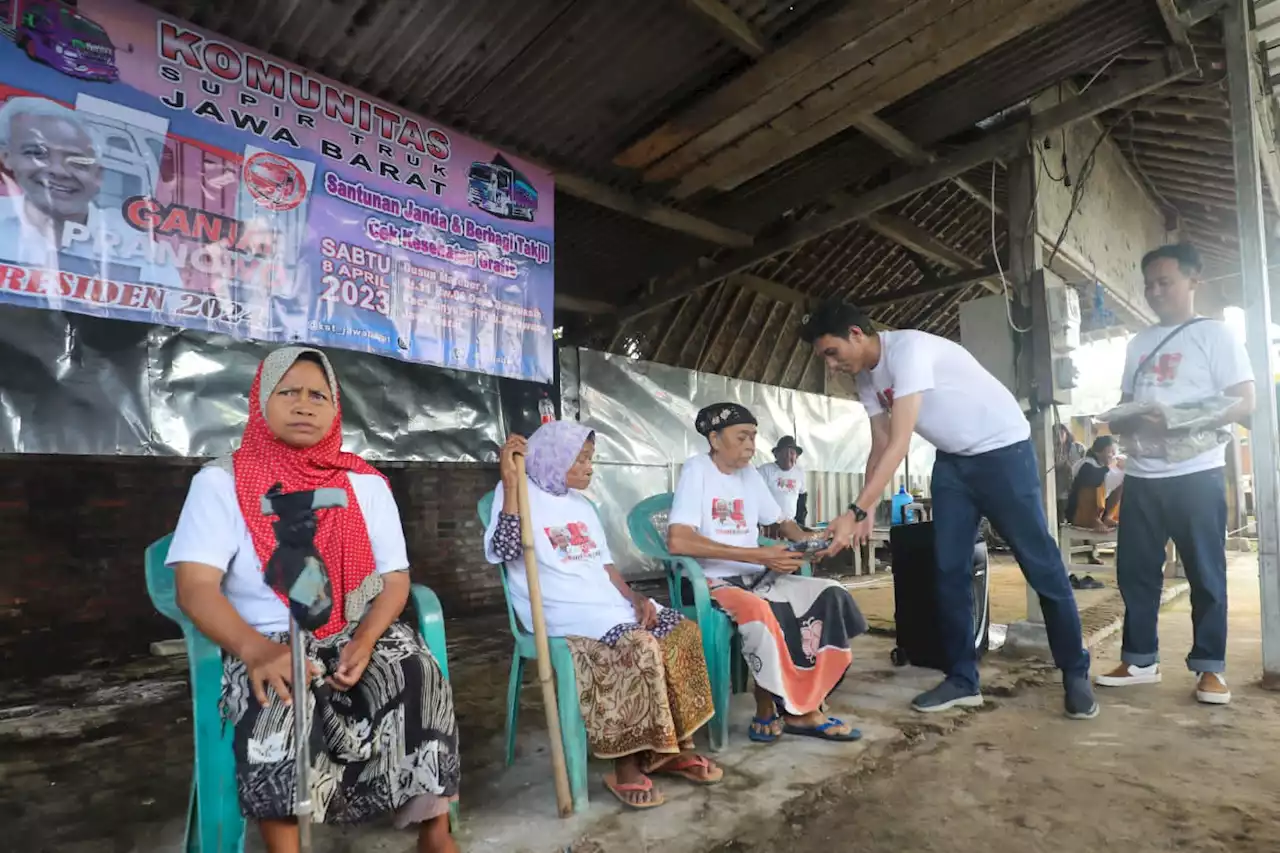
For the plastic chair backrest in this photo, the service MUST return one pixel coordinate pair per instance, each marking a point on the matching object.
(161, 581)
(485, 508)
(647, 524)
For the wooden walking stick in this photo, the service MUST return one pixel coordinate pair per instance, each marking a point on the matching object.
(564, 801)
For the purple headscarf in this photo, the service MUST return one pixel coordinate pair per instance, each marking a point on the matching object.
(553, 449)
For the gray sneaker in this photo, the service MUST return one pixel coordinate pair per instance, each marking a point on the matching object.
(947, 695)
(1079, 701)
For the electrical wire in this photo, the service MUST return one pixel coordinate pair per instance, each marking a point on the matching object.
(995, 251)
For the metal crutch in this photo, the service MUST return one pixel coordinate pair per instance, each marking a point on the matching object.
(306, 590)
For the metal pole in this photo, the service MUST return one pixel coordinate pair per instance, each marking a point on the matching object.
(301, 736)
(1243, 88)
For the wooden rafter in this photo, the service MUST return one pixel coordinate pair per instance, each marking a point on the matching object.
(923, 47)
(730, 25)
(994, 146)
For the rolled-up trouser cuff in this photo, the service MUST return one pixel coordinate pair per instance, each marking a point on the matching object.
(1202, 665)
(1139, 660)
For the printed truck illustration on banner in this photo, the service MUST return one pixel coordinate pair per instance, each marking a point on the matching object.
(56, 34)
(499, 188)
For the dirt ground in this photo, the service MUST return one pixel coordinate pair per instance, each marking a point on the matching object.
(1156, 772)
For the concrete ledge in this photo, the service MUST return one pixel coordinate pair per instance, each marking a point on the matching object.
(1100, 623)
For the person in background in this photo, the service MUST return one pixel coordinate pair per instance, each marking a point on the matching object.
(785, 479)
(643, 686)
(1094, 497)
(795, 630)
(385, 735)
(1067, 454)
(912, 381)
(1183, 359)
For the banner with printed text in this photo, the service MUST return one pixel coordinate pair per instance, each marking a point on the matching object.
(155, 172)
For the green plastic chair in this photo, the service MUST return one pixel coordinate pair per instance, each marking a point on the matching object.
(721, 645)
(214, 821)
(573, 729)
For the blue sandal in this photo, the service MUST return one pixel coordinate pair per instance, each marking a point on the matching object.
(821, 732)
(765, 736)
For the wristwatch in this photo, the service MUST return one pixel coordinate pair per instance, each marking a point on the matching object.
(859, 514)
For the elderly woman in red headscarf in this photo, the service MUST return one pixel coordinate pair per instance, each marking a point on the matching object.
(380, 703)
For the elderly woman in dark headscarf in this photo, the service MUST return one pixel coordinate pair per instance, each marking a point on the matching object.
(795, 630)
(381, 706)
(642, 679)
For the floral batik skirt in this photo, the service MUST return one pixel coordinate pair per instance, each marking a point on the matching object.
(390, 744)
(642, 691)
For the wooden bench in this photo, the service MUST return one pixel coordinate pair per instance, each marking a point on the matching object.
(1072, 539)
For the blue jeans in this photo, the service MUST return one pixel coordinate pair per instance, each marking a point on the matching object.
(1192, 511)
(1004, 486)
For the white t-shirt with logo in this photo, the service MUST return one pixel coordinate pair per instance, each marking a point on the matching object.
(1201, 361)
(785, 486)
(578, 599)
(211, 531)
(963, 409)
(725, 508)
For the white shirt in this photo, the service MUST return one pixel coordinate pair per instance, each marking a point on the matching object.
(211, 530)
(578, 598)
(785, 486)
(105, 246)
(1201, 361)
(964, 410)
(725, 508)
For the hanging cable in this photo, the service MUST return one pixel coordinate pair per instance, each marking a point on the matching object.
(995, 251)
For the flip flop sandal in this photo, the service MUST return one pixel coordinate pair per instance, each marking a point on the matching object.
(685, 766)
(821, 732)
(766, 736)
(1075, 581)
(1090, 582)
(620, 790)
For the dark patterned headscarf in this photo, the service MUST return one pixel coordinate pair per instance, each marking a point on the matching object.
(721, 416)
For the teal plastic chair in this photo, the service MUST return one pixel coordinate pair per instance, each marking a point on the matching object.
(720, 642)
(573, 730)
(214, 822)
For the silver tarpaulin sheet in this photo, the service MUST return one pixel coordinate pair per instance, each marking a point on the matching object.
(84, 385)
(643, 416)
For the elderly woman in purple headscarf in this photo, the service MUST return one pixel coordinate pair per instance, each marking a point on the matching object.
(642, 679)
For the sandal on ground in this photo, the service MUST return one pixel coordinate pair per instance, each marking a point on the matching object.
(1090, 582)
(620, 790)
(761, 730)
(823, 732)
(692, 767)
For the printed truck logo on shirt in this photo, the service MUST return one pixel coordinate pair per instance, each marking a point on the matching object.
(1163, 371)
(885, 398)
(729, 515)
(572, 542)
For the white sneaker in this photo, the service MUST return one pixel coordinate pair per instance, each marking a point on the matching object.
(1126, 674)
(1212, 689)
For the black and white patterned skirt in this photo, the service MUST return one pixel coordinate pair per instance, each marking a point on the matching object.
(390, 744)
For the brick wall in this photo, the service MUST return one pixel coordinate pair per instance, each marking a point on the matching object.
(73, 531)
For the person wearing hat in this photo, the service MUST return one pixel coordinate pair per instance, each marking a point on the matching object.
(910, 381)
(794, 630)
(785, 479)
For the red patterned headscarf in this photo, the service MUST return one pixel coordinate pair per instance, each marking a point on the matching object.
(342, 539)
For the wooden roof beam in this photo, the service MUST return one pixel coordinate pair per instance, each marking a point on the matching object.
(731, 26)
(1003, 143)
(652, 212)
(894, 69)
